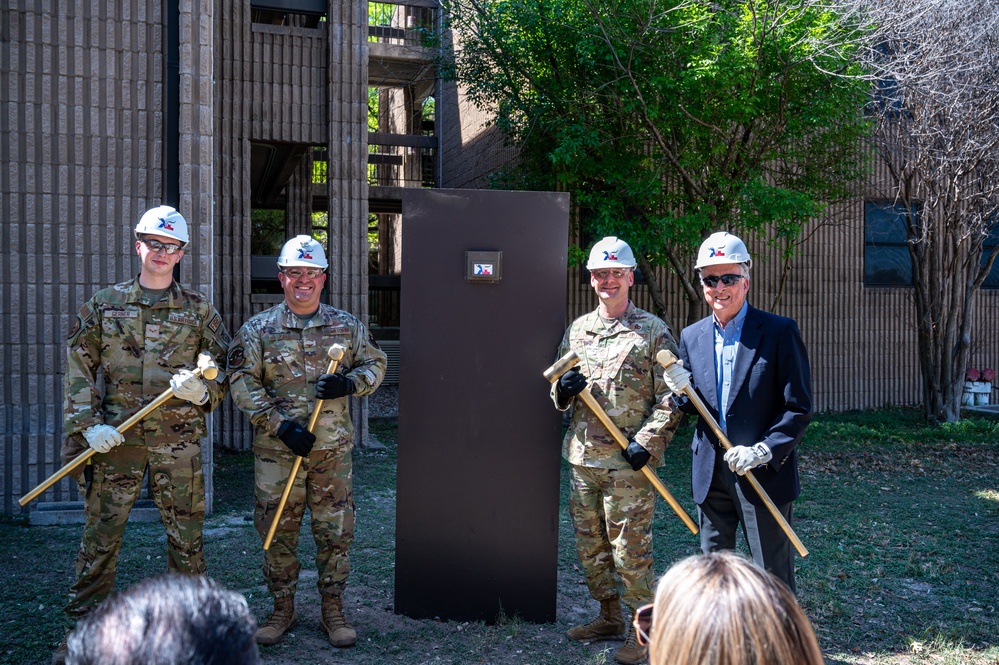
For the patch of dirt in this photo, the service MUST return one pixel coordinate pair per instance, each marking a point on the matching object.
(387, 637)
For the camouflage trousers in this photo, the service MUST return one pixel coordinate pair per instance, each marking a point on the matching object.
(325, 484)
(611, 513)
(178, 490)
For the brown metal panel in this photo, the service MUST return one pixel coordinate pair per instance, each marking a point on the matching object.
(479, 440)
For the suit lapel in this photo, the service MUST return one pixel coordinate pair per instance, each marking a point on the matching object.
(749, 342)
(705, 374)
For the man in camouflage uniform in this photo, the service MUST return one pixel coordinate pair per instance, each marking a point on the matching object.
(278, 364)
(128, 344)
(611, 500)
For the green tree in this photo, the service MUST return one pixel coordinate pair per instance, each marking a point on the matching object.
(667, 121)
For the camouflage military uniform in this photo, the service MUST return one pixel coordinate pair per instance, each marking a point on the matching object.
(611, 505)
(122, 352)
(275, 361)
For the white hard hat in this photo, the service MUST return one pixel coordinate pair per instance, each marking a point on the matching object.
(302, 251)
(163, 221)
(722, 247)
(611, 252)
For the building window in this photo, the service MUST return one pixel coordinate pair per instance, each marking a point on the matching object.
(992, 281)
(886, 252)
(292, 13)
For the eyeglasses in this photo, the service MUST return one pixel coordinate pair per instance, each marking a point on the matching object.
(295, 273)
(711, 281)
(616, 273)
(643, 624)
(158, 246)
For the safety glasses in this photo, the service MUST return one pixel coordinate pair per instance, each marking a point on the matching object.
(295, 273)
(711, 281)
(158, 246)
(643, 624)
(616, 273)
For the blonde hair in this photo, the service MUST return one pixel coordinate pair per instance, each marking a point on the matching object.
(720, 609)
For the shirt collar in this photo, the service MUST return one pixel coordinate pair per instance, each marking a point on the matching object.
(171, 298)
(735, 325)
(600, 325)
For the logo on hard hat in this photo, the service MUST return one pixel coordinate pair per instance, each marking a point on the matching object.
(164, 224)
(717, 252)
(610, 256)
(304, 254)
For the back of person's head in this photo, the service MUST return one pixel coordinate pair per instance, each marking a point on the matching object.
(720, 609)
(170, 619)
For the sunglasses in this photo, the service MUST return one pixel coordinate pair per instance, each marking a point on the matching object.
(158, 246)
(295, 273)
(711, 281)
(643, 624)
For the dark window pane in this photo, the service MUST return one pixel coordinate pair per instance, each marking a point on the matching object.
(887, 266)
(884, 223)
(886, 253)
(992, 281)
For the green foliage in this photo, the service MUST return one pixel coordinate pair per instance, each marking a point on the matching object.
(372, 109)
(381, 13)
(906, 426)
(669, 121)
(267, 232)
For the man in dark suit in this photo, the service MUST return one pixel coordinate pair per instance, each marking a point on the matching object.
(755, 364)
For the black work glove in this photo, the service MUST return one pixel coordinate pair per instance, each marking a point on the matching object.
(334, 386)
(636, 456)
(298, 439)
(570, 384)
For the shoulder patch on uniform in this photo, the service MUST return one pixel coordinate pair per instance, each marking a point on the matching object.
(75, 327)
(85, 319)
(236, 358)
(216, 321)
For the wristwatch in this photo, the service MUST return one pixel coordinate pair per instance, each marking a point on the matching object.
(762, 452)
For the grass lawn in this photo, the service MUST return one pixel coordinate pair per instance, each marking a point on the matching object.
(901, 521)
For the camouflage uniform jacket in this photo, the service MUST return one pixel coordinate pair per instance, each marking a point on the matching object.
(276, 360)
(126, 348)
(619, 362)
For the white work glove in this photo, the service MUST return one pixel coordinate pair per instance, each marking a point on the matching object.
(185, 384)
(103, 438)
(743, 458)
(676, 377)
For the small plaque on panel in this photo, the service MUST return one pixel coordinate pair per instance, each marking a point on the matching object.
(483, 266)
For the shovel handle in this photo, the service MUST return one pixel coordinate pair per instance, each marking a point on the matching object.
(563, 365)
(205, 368)
(335, 354)
(666, 358)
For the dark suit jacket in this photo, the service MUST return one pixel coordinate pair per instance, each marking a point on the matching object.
(770, 400)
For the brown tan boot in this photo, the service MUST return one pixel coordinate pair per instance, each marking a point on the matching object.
(609, 623)
(341, 633)
(631, 652)
(280, 622)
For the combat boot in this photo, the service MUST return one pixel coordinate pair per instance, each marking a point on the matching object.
(280, 622)
(341, 633)
(609, 623)
(631, 652)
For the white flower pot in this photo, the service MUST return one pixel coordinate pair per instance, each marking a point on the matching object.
(976, 393)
